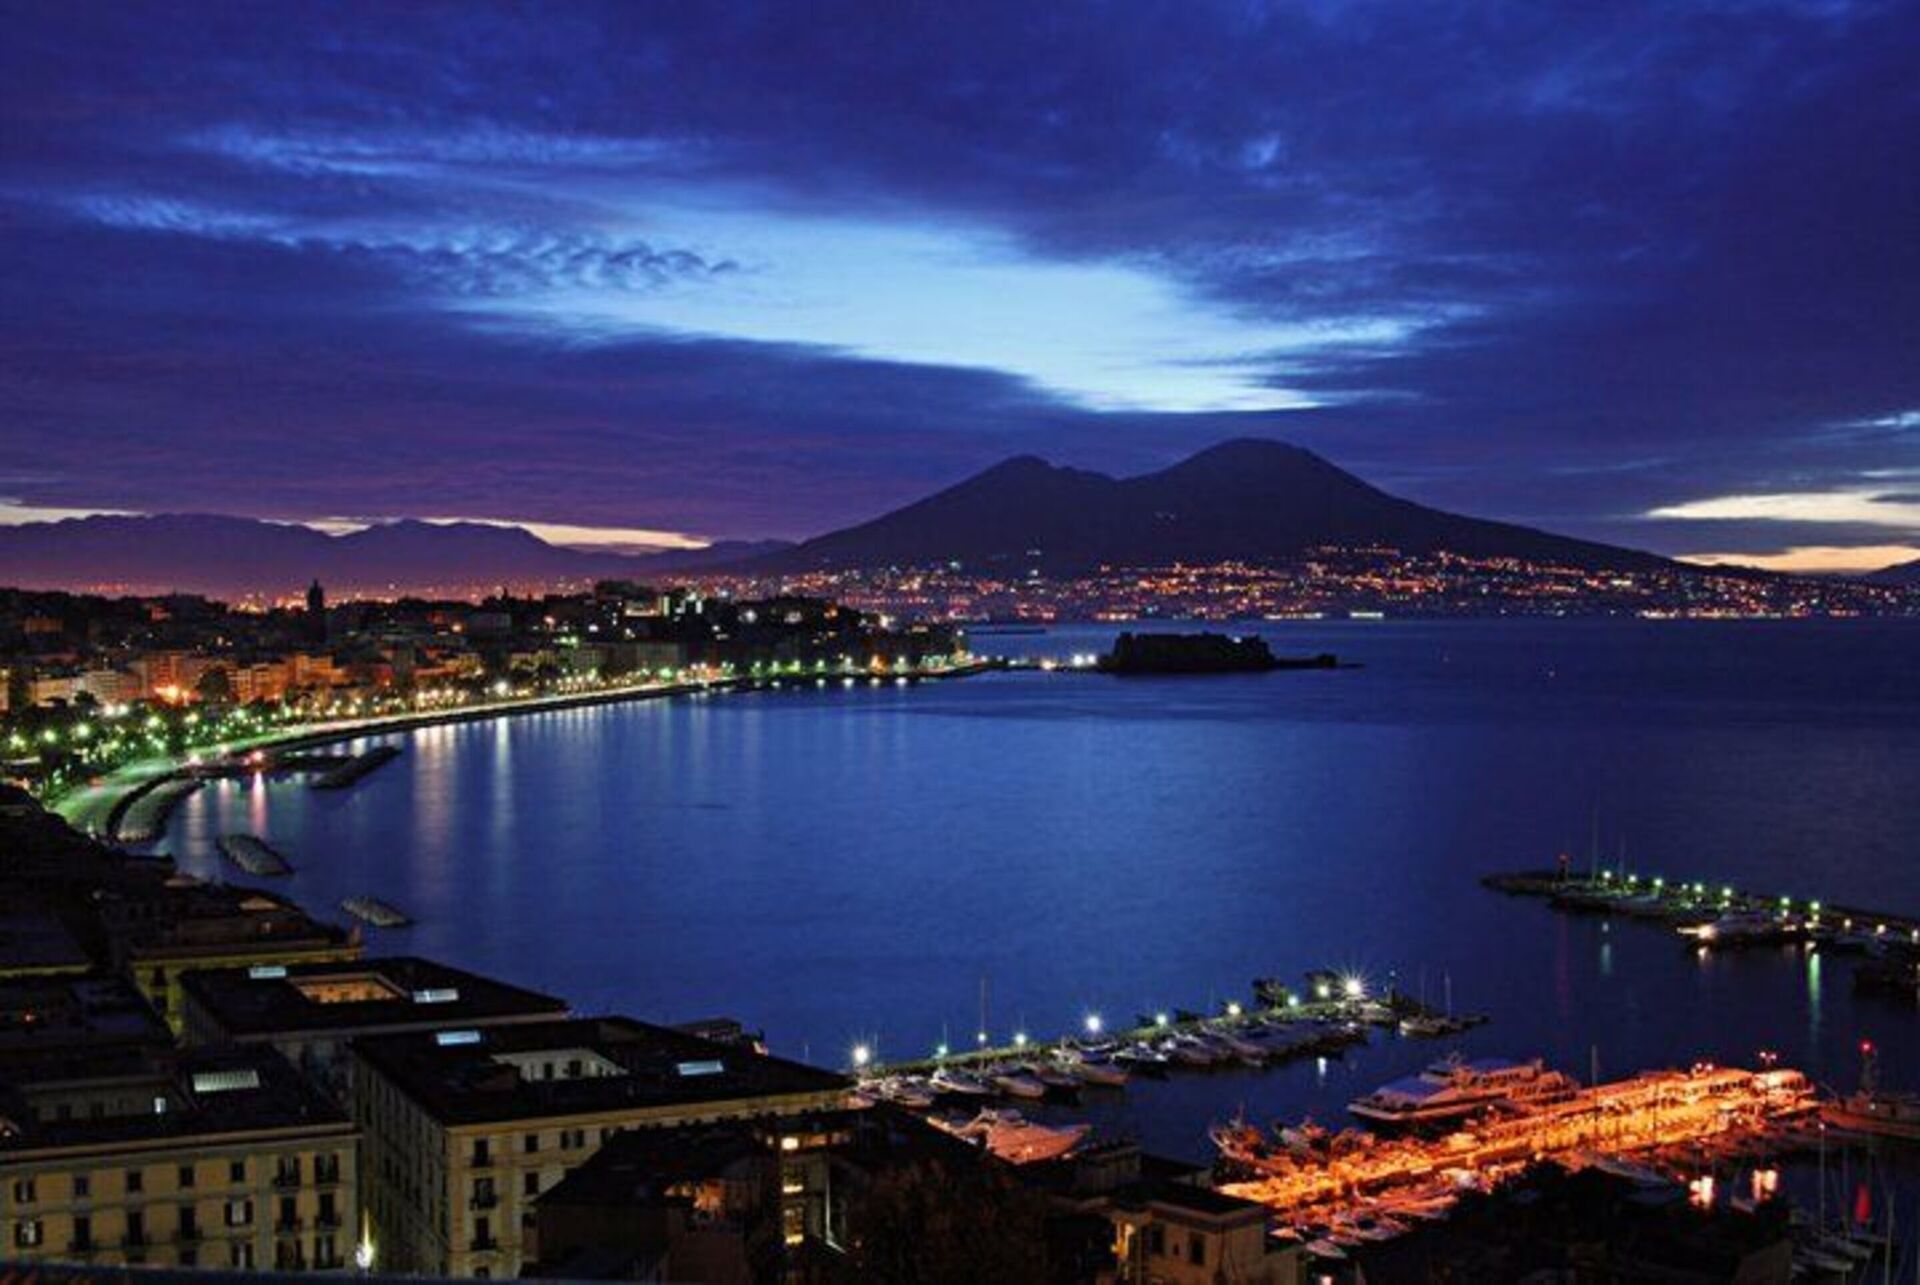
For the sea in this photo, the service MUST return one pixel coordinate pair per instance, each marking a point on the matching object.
(899, 867)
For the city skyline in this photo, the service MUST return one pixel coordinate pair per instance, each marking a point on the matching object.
(664, 277)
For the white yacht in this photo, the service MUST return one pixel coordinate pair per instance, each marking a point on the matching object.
(1456, 1088)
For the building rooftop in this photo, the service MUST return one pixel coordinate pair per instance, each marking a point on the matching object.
(158, 1096)
(373, 995)
(37, 940)
(187, 919)
(583, 1066)
(644, 1166)
(57, 1016)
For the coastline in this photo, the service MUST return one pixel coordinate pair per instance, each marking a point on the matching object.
(99, 809)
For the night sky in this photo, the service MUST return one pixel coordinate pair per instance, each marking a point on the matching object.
(1643, 272)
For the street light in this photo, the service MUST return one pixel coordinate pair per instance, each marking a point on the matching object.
(1093, 1023)
(862, 1055)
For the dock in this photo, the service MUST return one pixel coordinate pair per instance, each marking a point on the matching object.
(1692, 905)
(1313, 1177)
(1330, 1014)
(254, 855)
(372, 910)
(349, 772)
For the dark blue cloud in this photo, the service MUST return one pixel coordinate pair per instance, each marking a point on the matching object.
(1565, 263)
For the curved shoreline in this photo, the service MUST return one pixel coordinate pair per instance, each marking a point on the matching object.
(100, 809)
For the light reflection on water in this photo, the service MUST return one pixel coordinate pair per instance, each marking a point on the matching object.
(849, 863)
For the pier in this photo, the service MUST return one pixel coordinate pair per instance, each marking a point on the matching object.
(1330, 1014)
(1696, 905)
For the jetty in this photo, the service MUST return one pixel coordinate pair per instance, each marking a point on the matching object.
(349, 772)
(378, 913)
(1714, 915)
(254, 855)
(142, 814)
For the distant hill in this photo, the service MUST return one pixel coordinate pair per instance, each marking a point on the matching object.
(1901, 573)
(200, 553)
(1249, 499)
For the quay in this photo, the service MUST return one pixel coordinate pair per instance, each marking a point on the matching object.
(254, 855)
(1312, 1178)
(1715, 915)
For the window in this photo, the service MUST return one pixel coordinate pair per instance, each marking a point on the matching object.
(186, 1175)
(240, 1254)
(136, 1181)
(189, 1223)
(530, 1184)
(23, 1191)
(82, 1232)
(289, 1213)
(531, 1143)
(136, 1227)
(1156, 1240)
(1197, 1250)
(82, 1186)
(26, 1234)
(482, 1152)
(239, 1213)
(237, 1171)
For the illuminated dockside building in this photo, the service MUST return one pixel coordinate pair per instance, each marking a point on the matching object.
(467, 1128)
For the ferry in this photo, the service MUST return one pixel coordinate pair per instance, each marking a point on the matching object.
(1455, 1088)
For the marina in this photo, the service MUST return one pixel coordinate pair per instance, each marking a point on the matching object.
(1309, 1175)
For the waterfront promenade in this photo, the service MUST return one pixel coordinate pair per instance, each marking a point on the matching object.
(98, 807)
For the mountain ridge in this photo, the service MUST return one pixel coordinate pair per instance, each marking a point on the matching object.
(220, 554)
(1243, 499)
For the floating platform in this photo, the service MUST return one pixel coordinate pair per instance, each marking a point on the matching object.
(254, 855)
(372, 910)
(349, 772)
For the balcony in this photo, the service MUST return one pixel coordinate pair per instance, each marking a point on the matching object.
(188, 1235)
(325, 1175)
(484, 1200)
(285, 1178)
(327, 1220)
(286, 1226)
(81, 1245)
(482, 1244)
(480, 1160)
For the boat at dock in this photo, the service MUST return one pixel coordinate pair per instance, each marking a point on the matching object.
(254, 855)
(1454, 1089)
(1012, 1137)
(961, 1083)
(372, 910)
(1872, 1109)
(1017, 1082)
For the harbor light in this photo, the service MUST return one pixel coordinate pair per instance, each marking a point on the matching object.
(1019, 1039)
(1233, 1008)
(1353, 988)
(980, 1038)
(862, 1055)
(1159, 1019)
(1093, 1023)
(939, 1050)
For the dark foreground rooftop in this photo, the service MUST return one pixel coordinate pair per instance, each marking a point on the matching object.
(584, 1066)
(368, 995)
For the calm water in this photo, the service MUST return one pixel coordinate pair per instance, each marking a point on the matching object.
(847, 865)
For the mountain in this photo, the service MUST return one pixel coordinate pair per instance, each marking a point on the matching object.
(1901, 573)
(1249, 499)
(227, 556)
